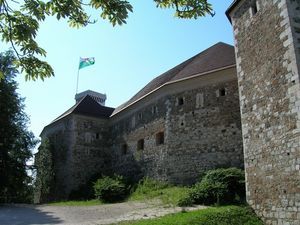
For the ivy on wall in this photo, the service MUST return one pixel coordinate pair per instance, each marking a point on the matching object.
(45, 173)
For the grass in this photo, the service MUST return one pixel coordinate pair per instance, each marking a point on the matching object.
(77, 203)
(168, 196)
(227, 215)
(150, 189)
(146, 190)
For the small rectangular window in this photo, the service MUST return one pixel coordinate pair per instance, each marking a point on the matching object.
(180, 101)
(199, 100)
(254, 8)
(140, 116)
(140, 144)
(97, 136)
(221, 92)
(160, 138)
(124, 149)
(154, 110)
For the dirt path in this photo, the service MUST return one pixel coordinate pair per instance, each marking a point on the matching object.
(83, 215)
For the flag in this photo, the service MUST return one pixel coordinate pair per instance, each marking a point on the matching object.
(84, 62)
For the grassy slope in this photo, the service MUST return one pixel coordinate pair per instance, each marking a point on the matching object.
(227, 215)
(149, 189)
(77, 203)
(168, 195)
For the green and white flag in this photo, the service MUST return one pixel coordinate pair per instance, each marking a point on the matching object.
(84, 62)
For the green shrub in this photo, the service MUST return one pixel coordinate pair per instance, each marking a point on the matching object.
(186, 200)
(147, 185)
(220, 186)
(85, 191)
(110, 189)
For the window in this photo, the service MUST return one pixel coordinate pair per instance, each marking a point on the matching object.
(140, 116)
(88, 138)
(254, 8)
(133, 122)
(154, 110)
(124, 149)
(140, 144)
(97, 136)
(180, 101)
(199, 100)
(221, 92)
(160, 138)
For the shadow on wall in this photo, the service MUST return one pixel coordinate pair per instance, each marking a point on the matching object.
(127, 162)
(25, 215)
(121, 161)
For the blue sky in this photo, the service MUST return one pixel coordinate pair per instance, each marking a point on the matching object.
(127, 57)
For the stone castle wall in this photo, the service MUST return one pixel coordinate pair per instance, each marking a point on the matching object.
(60, 135)
(91, 154)
(270, 99)
(200, 123)
(174, 134)
(80, 150)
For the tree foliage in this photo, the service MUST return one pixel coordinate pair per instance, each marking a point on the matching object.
(19, 23)
(16, 141)
(45, 175)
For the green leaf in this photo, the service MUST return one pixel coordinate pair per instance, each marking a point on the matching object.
(20, 27)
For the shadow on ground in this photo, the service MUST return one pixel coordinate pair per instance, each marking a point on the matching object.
(25, 215)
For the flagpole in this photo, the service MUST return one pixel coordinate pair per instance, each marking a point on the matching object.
(77, 77)
(77, 81)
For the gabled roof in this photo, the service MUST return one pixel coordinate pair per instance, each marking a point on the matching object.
(87, 107)
(216, 57)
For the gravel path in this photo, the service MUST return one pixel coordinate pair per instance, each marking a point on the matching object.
(83, 215)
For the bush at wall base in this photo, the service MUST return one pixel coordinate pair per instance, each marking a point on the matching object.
(110, 189)
(219, 186)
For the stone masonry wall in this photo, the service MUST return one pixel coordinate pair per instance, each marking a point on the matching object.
(270, 99)
(201, 130)
(173, 135)
(204, 133)
(60, 135)
(90, 154)
(80, 151)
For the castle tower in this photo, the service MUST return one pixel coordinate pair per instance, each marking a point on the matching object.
(267, 46)
(98, 97)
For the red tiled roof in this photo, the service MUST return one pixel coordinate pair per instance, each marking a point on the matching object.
(217, 56)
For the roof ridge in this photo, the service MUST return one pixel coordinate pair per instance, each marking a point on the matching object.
(67, 112)
(192, 59)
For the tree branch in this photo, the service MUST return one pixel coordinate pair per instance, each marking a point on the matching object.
(10, 32)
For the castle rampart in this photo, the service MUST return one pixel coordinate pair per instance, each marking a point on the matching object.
(181, 124)
(266, 45)
(199, 121)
